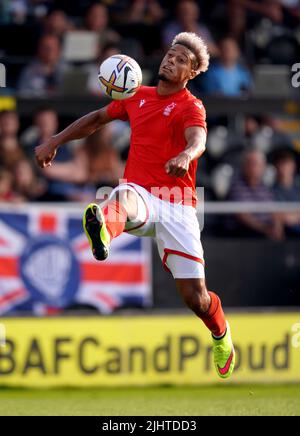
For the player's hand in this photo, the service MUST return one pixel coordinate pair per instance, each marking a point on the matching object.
(178, 166)
(45, 153)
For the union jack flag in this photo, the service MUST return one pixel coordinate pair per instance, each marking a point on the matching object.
(46, 264)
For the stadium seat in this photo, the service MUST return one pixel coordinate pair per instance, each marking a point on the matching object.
(80, 46)
(217, 141)
(74, 82)
(221, 178)
(272, 81)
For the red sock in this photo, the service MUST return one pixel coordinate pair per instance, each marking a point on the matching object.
(214, 319)
(115, 218)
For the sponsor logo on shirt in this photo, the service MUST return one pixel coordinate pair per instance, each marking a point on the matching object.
(168, 109)
(142, 102)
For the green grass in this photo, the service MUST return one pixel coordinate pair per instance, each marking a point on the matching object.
(197, 401)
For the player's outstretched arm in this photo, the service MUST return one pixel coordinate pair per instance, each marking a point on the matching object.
(196, 140)
(81, 128)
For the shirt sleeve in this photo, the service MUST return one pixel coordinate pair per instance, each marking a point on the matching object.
(117, 110)
(194, 115)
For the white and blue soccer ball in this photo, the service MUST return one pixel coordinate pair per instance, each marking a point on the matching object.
(120, 77)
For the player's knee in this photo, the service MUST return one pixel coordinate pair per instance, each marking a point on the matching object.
(195, 295)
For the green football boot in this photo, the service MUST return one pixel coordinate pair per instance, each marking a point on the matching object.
(96, 231)
(224, 355)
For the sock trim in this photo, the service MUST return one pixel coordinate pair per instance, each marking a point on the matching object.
(218, 338)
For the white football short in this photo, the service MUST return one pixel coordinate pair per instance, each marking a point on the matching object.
(175, 228)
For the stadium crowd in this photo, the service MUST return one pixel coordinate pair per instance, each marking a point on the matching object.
(68, 40)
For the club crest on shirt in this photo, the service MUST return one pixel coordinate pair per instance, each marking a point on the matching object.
(168, 109)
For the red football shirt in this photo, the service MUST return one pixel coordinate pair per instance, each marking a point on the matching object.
(157, 125)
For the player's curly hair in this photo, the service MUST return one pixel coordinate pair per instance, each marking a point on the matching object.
(197, 46)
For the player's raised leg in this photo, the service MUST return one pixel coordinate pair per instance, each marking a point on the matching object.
(101, 225)
(207, 306)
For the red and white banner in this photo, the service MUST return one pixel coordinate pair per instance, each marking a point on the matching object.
(46, 264)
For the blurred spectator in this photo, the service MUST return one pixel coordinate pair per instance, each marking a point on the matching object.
(227, 76)
(10, 151)
(103, 161)
(187, 20)
(264, 133)
(97, 20)
(249, 187)
(11, 155)
(137, 19)
(275, 42)
(144, 11)
(9, 125)
(6, 187)
(239, 12)
(18, 11)
(43, 76)
(96, 163)
(45, 125)
(26, 183)
(57, 23)
(268, 28)
(287, 187)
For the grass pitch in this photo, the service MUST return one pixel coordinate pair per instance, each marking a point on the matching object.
(157, 401)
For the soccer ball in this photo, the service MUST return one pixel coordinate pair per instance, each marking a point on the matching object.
(120, 76)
